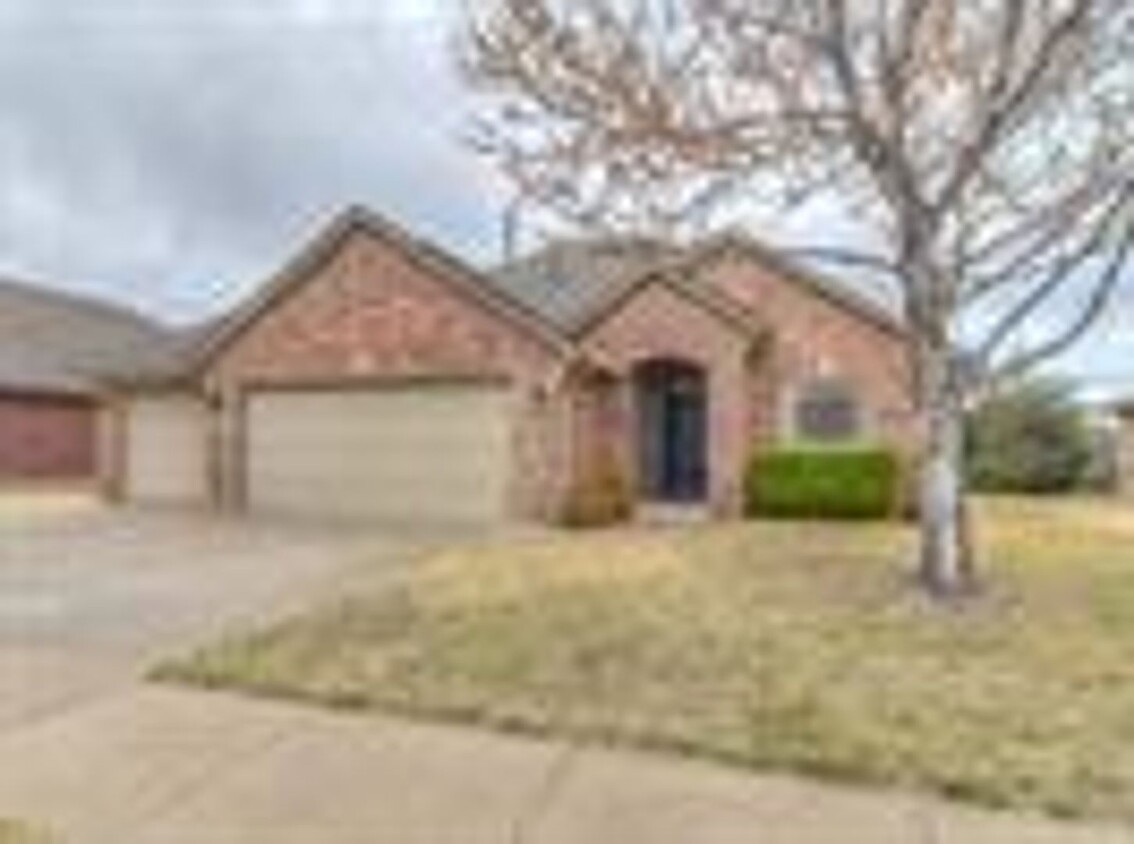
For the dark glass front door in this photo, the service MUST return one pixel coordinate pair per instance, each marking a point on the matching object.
(672, 404)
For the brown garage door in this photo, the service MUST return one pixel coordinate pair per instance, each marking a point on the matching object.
(46, 437)
(405, 453)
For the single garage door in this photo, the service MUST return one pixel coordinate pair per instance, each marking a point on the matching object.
(166, 450)
(405, 453)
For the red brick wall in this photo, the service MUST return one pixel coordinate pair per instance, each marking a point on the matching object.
(43, 437)
(752, 382)
(373, 312)
(659, 323)
(815, 337)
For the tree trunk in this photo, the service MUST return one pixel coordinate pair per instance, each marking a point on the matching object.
(945, 565)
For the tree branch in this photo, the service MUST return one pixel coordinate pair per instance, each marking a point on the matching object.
(1097, 302)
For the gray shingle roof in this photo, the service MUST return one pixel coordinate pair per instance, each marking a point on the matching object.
(570, 282)
(60, 342)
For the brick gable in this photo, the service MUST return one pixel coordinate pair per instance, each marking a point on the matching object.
(815, 336)
(658, 323)
(372, 311)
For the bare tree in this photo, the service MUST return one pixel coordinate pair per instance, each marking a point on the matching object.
(987, 144)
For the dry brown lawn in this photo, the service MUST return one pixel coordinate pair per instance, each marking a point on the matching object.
(786, 646)
(12, 832)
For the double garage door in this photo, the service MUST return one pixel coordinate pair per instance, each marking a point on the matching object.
(406, 453)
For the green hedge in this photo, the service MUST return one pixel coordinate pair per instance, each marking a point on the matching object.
(823, 482)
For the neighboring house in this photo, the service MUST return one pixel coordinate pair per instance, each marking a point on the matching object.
(53, 349)
(377, 376)
(1124, 452)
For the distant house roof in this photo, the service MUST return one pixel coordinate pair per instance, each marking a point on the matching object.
(55, 342)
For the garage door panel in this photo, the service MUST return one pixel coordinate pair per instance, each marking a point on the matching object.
(166, 451)
(415, 452)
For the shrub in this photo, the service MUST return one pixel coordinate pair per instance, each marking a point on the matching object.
(823, 482)
(1030, 439)
(601, 497)
(1101, 473)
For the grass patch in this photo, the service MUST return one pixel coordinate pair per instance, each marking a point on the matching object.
(13, 832)
(783, 646)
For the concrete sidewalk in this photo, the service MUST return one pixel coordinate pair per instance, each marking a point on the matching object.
(156, 764)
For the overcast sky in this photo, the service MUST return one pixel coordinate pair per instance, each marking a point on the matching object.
(172, 153)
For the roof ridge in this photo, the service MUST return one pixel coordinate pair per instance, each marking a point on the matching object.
(58, 340)
(561, 245)
(91, 303)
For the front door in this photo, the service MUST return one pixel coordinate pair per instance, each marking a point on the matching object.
(672, 400)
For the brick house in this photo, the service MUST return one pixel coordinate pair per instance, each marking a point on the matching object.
(377, 376)
(52, 348)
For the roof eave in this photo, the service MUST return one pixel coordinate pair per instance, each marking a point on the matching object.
(832, 291)
(148, 383)
(46, 390)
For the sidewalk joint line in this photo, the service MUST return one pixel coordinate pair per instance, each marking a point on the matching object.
(528, 820)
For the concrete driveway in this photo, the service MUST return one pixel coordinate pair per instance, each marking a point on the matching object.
(89, 596)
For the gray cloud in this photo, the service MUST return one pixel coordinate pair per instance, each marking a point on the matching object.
(172, 153)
